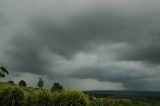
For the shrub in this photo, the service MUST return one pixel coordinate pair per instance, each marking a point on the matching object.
(57, 87)
(11, 82)
(65, 98)
(40, 98)
(72, 98)
(22, 83)
(11, 96)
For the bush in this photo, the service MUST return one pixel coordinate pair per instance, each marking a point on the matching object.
(22, 83)
(65, 98)
(57, 87)
(11, 82)
(11, 96)
(72, 98)
(40, 98)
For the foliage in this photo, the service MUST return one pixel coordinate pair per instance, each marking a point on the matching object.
(3, 72)
(99, 102)
(57, 87)
(40, 98)
(22, 83)
(65, 98)
(11, 82)
(40, 83)
(14, 95)
(11, 96)
(117, 102)
(72, 98)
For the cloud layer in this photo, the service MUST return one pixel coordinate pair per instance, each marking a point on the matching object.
(112, 44)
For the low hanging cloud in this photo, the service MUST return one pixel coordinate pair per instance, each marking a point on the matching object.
(103, 42)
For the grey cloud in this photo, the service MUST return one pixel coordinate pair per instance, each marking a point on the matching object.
(148, 53)
(132, 77)
(3, 21)
(38, 40)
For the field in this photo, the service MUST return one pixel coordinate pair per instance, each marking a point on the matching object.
(15, 95)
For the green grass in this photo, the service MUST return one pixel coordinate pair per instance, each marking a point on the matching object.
(4, 85)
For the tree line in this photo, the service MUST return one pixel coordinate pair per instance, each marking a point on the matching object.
(55, 87)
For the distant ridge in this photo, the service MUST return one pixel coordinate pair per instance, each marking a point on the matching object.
(124, 94)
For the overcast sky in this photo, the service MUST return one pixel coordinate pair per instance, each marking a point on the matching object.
(83, 44)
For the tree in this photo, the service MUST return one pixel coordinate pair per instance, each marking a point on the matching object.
(3, 72)
(40, 83)
(11, 82)
(22, 83)
(57, 87)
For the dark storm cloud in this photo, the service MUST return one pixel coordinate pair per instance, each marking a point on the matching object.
(148, 53)
(26, 55)
(80, 31)
(78, 34)
(37, 42)
(131, 75)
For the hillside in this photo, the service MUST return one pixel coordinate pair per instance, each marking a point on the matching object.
(27, 96)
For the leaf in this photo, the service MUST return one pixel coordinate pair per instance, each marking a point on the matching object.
(4, 70)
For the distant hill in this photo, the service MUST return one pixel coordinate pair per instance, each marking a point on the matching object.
(124, 94)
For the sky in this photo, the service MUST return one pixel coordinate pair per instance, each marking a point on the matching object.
(82, 44)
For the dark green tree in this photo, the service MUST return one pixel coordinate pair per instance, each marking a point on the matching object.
(3, 72)
(57, 87)
(22, 83)
(40, 83)
(11, 82)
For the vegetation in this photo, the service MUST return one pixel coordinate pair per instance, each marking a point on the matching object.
(119, 102)
(57, 87)
(14, 95)
(11, 96)
(40, 98)
(11, 82)
(3, 72)
(40, 83)
(72, 98)
(24, 96)
(22, 83)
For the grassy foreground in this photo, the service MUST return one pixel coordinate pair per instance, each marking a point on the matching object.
(14, 95)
